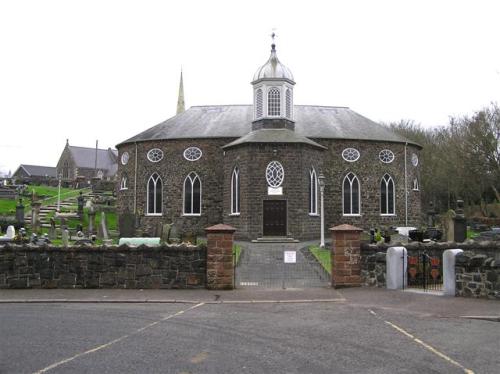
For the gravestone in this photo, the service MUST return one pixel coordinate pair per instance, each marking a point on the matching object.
(81, 201)
(91, 215)
(11, 232)
(65, 238)
(20, 212)
(189, 237)
(460, 224)
(126, 225)
(165, 235)
(35, 216)
(102, 231)
(174, 236)
(448, 223)
(52, 229)
(431, 213)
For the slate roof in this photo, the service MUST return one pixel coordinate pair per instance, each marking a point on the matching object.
(235, 121)
(85, 158)
(38, 171)
(273, 136)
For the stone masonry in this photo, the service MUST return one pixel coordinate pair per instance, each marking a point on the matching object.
(346, 256)
(478, 275)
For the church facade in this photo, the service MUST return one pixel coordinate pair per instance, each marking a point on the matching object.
(261, 167)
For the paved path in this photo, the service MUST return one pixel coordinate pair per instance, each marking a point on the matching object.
(262, 265)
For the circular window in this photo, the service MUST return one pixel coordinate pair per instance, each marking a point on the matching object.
(414, 159)
(274, 174)
(125, 158)
(155, 155)
(192, 153)
(350, 154)
(386, 156)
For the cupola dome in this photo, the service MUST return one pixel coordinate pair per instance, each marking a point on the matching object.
(273, 69)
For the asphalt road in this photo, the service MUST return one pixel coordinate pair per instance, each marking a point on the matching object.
(334, 337)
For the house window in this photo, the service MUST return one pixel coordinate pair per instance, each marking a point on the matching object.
(192, 194)
(415, 185)
(387, 195)
(258, 103)
(313, 192)
(235, 191)
(123, 183)
(154, 195)
(288, 100)
(273, 99)
(351, 195)
(100, 174)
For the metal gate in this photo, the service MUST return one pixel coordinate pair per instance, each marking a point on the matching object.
(425, 272)
(263, 265)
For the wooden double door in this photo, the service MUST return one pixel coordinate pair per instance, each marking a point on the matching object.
(274, 217)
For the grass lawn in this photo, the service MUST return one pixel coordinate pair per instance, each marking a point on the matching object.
(236, 253)
(323, 256)
(7, 206)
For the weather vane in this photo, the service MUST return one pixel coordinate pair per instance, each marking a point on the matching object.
(273, 35)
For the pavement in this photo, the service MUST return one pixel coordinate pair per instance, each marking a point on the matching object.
(403, 301)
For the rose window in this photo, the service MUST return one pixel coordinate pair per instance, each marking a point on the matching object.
(350, 154)
(414, 159)
(386, 156)
(274, 174)
(192, 153)
(155, 155)
(125, 158)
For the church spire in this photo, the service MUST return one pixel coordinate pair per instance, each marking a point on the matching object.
(180, 100)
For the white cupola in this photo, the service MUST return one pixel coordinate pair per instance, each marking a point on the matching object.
(273, 89)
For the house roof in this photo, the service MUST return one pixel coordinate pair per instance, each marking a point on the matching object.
(273, 136)
(235, 121)
(85, 158)
(38, 171)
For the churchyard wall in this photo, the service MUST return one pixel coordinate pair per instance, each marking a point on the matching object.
(26, 266)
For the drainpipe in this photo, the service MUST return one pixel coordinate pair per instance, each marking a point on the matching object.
(135, 180)
(406, 190)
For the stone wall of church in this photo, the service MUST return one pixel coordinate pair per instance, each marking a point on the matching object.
(252, 160)
(370, 170)
(173, 169)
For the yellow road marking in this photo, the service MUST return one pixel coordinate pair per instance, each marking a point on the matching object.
(98, 348)
(430, 348)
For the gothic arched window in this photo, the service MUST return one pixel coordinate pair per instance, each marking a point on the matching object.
(351, 194)
(154, 195)
(235, 191)
(288, 99)
(123, 183)
(192, 194)
(313, 192)
(65, 171)
(273, 102)
(258, 104)
(387, 195)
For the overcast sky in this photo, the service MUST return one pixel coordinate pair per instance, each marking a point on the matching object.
(107, 70)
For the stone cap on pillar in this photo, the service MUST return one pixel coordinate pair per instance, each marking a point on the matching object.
(345, 227)
(220, 228)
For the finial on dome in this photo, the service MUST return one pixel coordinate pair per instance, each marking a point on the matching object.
(273, 45)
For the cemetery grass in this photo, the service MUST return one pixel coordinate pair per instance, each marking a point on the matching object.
(323, 256)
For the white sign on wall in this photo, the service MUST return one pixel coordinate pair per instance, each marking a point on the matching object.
(290, 257)
(275, 190)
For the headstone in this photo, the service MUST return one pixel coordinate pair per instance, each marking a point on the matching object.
(81, 202)
(103, 228)
(165, 235)
(52, 229)
(65, 238)
(460, 224)
(174, 236)
(91, 215)
(189, 237)
(126, 225)
(20, 212)
(431, 213)
(35, 216)
(11, 232)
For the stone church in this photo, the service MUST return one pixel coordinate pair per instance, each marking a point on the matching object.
(261, 168)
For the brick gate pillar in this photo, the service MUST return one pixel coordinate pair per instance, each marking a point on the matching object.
(220, 269)
(346, 256)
